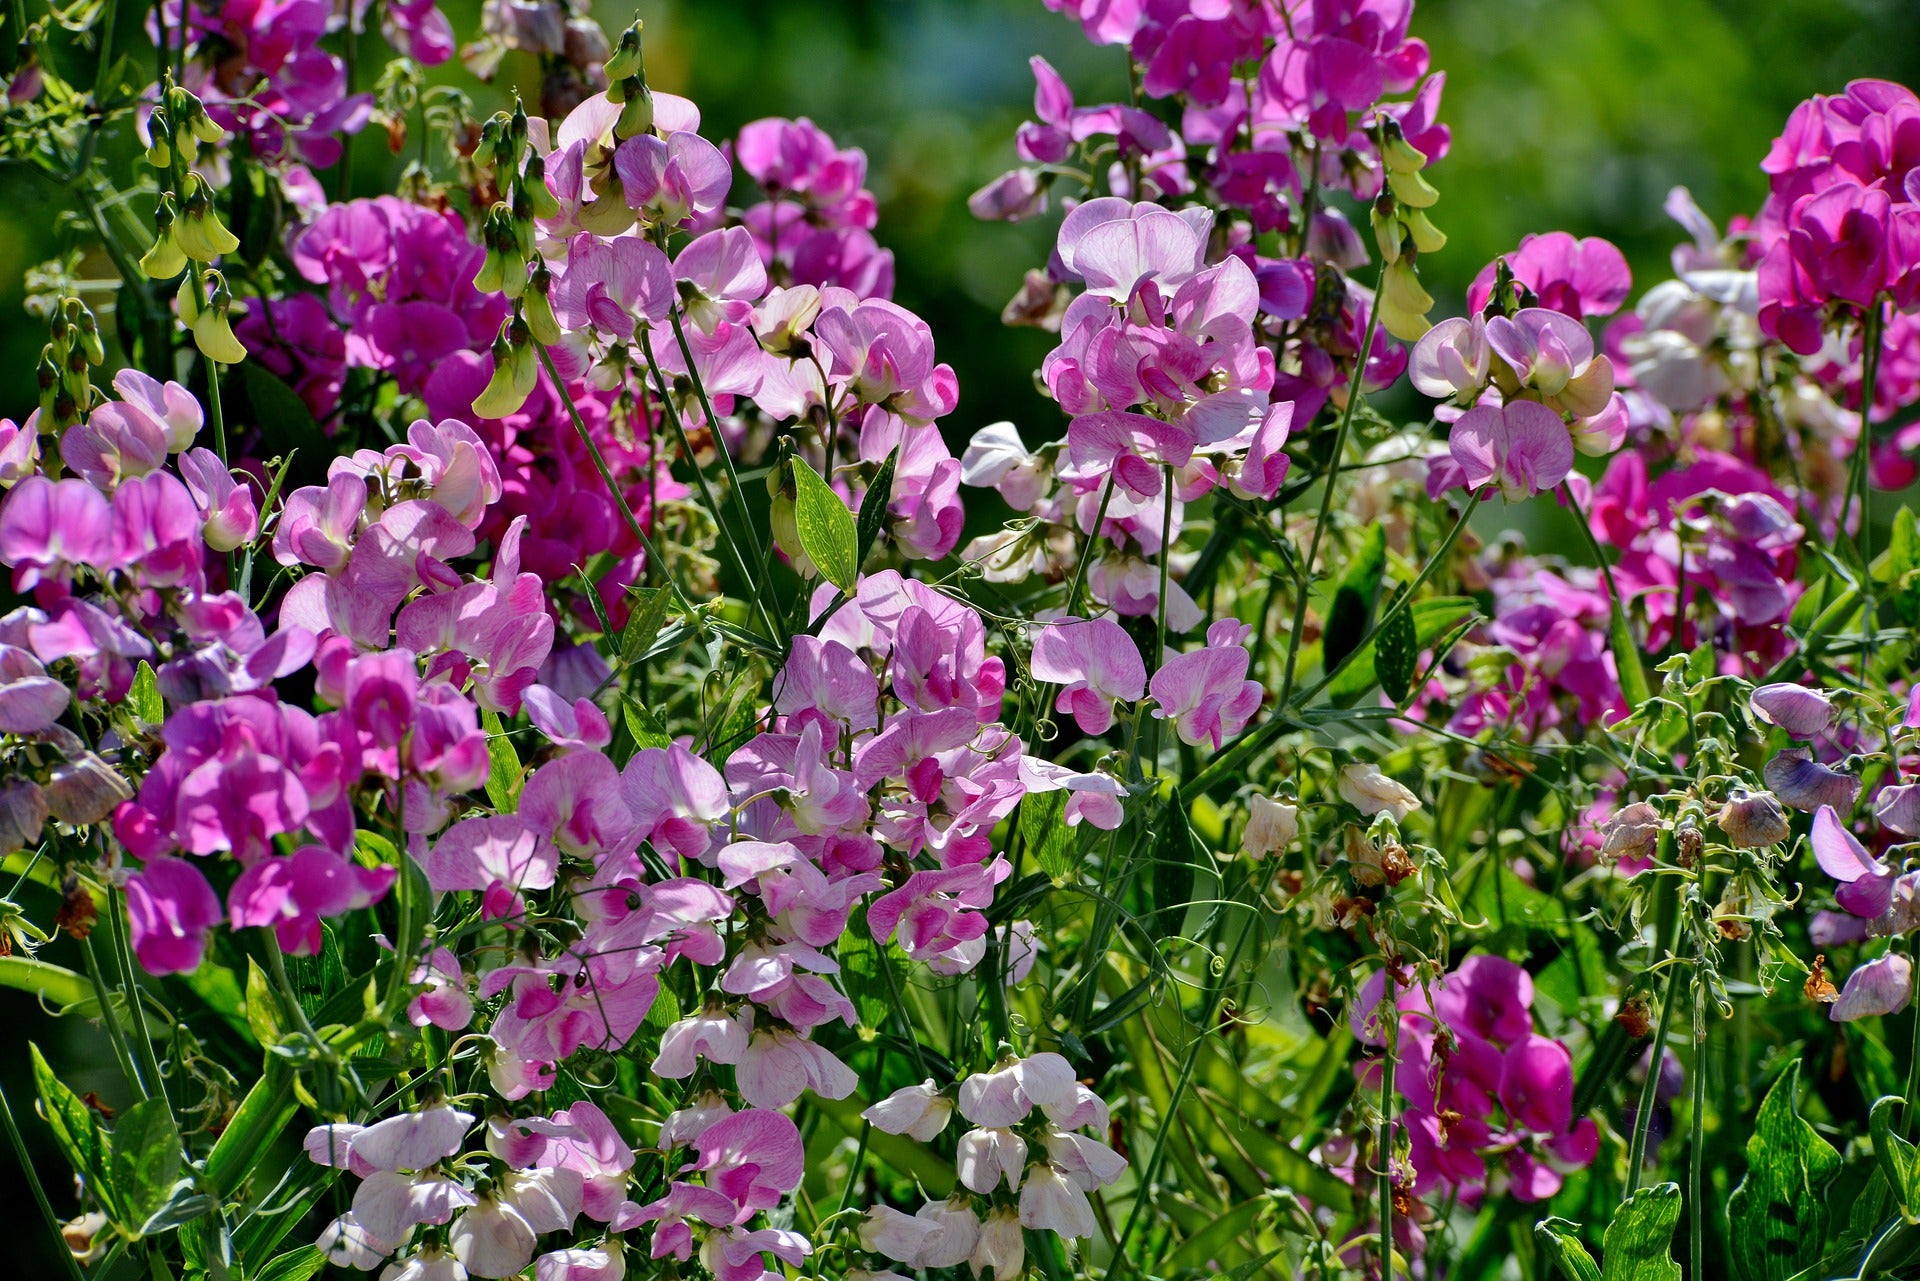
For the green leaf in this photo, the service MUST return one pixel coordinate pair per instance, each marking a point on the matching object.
(1396, 651)
(265, 1017)
(861, 960)
(503, 776)
(76, 1129)
(1354, 599)
(826, 528)
(146, 1159)
(1432, 619)
(1899, 1160)
(873, 508)
(1043, 826)
(1778, 1214)
(643, 725)
(144, 697)
(52, 983)
(646, 614)
(1639, 1244)
(1174, 857)
(1559, 1240)
(266, 1110)
(285, 422)
(1626, 656)
(294, 1265)
(183, 1205)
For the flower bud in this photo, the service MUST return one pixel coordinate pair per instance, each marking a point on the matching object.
(784, 491)
(165, 260)
(1368, 790)
(540, 200)
(1403, 303)
(627, 60)
(1412, 189)
(1272, 825)
(160, 149)
(515, 371)
(1753, 819)
(536, 306)
(1427, 238)
(200, 233)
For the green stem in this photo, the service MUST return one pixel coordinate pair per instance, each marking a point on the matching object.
(1383, 1154)
(1166, 556)
(619, 498)
(116, 1035)
(713, 425)
(1405, 602)
(1086, 550)
(39, 1192)
(706, 488)
(103, 72)
(143, 1045)
(859, 1163)
(1326, 498)
(1696, 1163)
(1643, 1117)
(1626, 654)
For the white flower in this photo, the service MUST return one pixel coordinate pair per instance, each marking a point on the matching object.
(492, 1240)
(900, 1236)
(1054, 1201)
(1272, 825)
(1000, 1248)
(1088, 1162)
(430, 1264)
(1368, 790)
(985, 1155)
(920, 1111)
(959, 1232)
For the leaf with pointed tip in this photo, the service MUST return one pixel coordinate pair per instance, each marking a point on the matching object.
(1778, 1214)
(826, 528)
(873, 508)
(1639, 1243)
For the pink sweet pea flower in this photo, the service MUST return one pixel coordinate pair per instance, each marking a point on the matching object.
(1205, 692)
(1523, 446)
(1866, 884)
(681, 179)
(47, 526)
(291, 894)
(444, 1002)
(1097, 663)
(1881, 986)
(1582, 278)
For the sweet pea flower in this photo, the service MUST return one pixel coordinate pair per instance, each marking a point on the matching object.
(1522, 446)
(1272, 825)
(919, 1111)
(1097, 663)
(1881, 986)
(1205, 692)
(1802, 712)
(677, 180)
(1365, 788)
(1582, 278)
(170, 908)
(1551, 355)
(1866, 884)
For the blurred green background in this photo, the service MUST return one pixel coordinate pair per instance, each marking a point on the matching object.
(1567, 114)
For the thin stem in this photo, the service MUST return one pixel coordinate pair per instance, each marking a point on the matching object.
(39, 1192)
(619, 498)
(1405, 602)
(1643, 1117)
(214, 413)
(713, 422)
(1383, 1155)
(706, 488)
(116, 1035)
(1326, 497)
(1696, 1164)
(1626, 656)
(1166, 557)
(143, 1044)
(103, 72)
(1086, 550)
(859, 1163)
(1913, 1080)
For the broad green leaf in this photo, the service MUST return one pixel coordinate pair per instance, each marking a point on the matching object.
(1396, 652)
(51, 983)
(1639, 1244)
(144, 697)
(1353, 601)
(1432, 619)
(266, 1110)
(146, 1160)
(873, 508)
(1899, 1160)
(285, 422)
(265, 1018)
(1207, 1248)
(183, 1205)
(1778, 1214)
(1626, 657)
(643, 725)
(646, 614)
(861, 960)
(1043, 826)
(503, 776)
(1174, 857)
(76, 1129)
(294, 1265)
(826, 528)
(1559, 1240)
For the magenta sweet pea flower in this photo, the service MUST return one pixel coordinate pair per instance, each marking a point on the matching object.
(1522, 446)
(1582, 278)
(292, 894)
(170, 908)
(682, 179)
(1866, 884)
